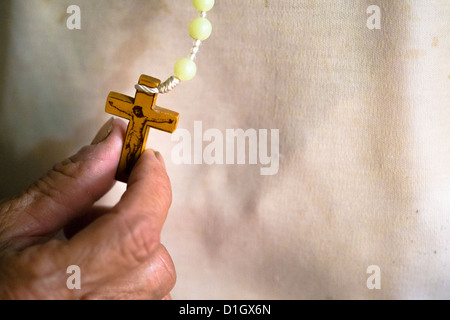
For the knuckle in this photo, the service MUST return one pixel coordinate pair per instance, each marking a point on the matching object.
(163, 276)
(167, 264)
(140, 238)
(47, 186)
(169, 269)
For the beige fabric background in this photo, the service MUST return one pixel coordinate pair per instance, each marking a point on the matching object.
(363, 114)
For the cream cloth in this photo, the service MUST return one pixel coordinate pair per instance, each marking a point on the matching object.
(363, 118)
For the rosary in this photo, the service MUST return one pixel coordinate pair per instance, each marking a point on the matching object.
(141, 110)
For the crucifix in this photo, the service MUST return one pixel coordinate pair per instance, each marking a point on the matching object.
(142, 114)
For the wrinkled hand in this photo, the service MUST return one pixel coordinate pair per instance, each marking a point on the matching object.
(117, 249)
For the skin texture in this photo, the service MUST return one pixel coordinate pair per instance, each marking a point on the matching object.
(118, 249)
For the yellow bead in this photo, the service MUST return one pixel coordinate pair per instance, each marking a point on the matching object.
(185, 69)
(203, 5)
(200, 29)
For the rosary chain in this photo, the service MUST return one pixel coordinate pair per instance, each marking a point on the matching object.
(172, 82)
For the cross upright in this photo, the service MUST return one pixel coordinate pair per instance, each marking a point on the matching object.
(142, 114)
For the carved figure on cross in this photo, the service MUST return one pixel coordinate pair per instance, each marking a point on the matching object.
(142, 115)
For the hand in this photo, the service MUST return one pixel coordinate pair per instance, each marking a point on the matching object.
(117, 249)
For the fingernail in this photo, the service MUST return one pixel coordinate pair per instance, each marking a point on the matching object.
(104, 132)
(159, 157)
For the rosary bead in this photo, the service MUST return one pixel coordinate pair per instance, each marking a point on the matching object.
(203, 5)
(185, 69)
(200, 29)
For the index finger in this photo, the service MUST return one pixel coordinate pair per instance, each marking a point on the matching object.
(127, 236)
(149, 189)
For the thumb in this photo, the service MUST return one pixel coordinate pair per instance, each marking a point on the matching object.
(67, 190)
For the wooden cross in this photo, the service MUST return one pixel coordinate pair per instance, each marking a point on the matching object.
(142, 115)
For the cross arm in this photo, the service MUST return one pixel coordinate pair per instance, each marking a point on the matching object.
(119, 105)
(164, 119)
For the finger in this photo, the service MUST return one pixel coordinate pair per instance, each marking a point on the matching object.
(81, 222)
(149, 190)
(152, 280)
(128, 235)
(65, 192)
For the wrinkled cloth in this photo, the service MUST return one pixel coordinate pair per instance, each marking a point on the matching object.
(364, 135)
